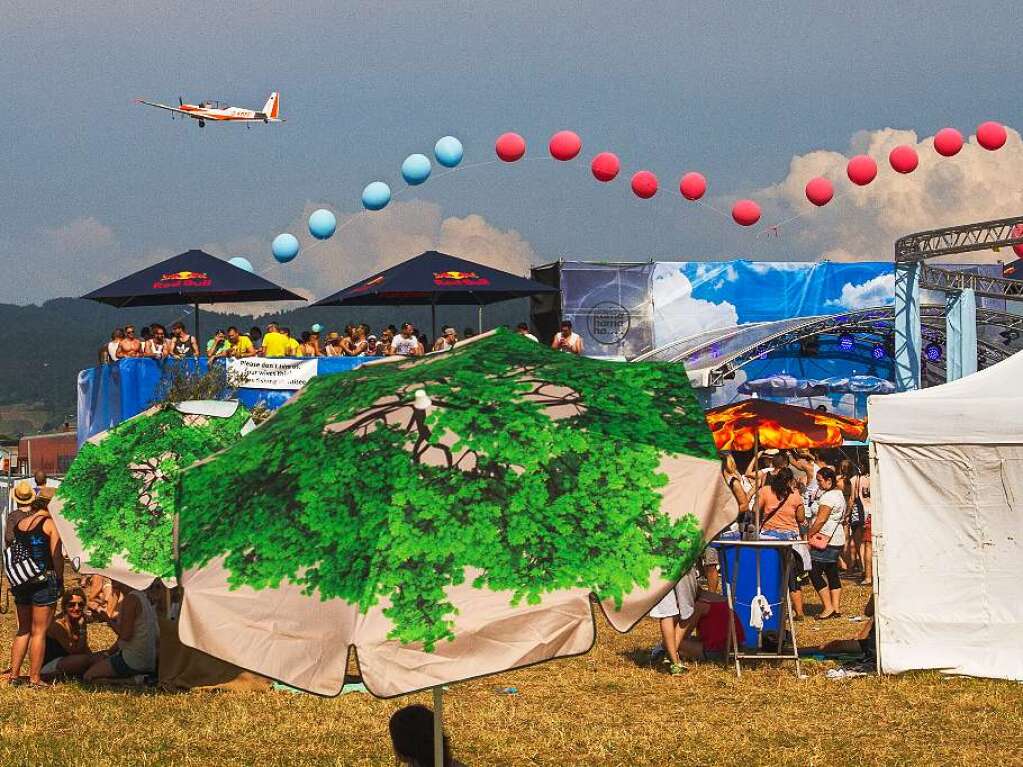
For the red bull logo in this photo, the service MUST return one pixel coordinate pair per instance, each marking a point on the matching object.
(459, 279)
(183, 279)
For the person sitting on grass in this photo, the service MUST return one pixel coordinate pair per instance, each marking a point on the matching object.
(710, 620)
(67, 639)
(411, 731)
(137, 630)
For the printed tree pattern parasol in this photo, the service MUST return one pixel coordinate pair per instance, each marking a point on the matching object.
(447, 516)
(743, 425)
(115, 508)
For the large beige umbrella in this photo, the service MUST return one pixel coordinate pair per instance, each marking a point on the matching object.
(447, 517)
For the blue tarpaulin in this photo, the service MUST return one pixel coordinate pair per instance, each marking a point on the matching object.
(109, 394)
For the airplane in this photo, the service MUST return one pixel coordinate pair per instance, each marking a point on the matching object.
(218, 111)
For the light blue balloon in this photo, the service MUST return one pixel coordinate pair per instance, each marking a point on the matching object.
(317, 328)
(322, 224)
(416, 169)
(241, 263)
(285, 247)
(376, 195)
(448, 151)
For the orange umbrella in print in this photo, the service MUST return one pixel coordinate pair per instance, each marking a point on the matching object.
(744, 425)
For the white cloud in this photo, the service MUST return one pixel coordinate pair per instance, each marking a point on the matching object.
(862, 223)
(763, 267)
(80, 234)
(677, 314)
(877, 291)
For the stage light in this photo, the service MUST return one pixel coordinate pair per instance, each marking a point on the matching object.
(932, 352)
(878, 352)
(846, 342)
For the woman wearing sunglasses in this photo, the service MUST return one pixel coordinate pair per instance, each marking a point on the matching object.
(67, 639)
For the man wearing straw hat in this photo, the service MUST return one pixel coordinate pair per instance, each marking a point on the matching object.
(33, 531)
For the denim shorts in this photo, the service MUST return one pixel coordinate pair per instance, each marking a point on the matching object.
(41, 594)
(121, 667)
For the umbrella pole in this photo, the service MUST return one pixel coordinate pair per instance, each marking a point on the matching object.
(433, 318)
(438, 726)
(479, 318)
(196, 305)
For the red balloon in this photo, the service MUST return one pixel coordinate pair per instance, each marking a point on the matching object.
(948, 142)
(903, 159)
(746, 212)
(861, 170)
(565, 145)
(991, 135)
(510, 147)
(644, 184)
(605, 166)
(693, 186)
(1017, 231)
(819, 191)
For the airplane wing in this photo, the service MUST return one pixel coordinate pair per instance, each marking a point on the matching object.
(169, 109)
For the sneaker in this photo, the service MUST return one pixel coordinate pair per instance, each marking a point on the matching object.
(676, 669)
(657, 654)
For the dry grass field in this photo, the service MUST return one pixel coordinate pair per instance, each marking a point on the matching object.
(606, 708)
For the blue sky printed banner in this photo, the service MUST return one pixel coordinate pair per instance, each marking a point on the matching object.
(692, 296)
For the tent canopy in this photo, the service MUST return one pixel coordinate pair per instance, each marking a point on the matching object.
(948, 525)
(192, 277)
(433, 278)
(982, 408)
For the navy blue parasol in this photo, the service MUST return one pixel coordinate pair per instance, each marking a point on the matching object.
(194, 277)
(436, 279)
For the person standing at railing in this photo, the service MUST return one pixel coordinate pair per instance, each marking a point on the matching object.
(129, 346)
(240, 346)
(182, 344)
(156, 347)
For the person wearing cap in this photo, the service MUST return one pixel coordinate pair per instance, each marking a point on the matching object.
(372, 346)
(447, 340)
(332, 346)
(36, 599)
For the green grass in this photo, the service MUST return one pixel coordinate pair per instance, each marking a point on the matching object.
(605, 708)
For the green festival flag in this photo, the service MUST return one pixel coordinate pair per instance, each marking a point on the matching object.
(115, 508)
(447, 516)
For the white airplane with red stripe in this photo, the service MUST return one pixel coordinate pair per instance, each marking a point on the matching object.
(218, 111)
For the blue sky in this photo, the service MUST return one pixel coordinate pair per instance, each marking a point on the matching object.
(97, 186)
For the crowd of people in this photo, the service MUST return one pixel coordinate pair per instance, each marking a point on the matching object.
(154, 342)
(57, 645)
(796, 495)
(800, 495)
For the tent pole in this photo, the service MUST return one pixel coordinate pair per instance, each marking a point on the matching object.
(479, 318)
(438, 726)
(197, 325)
(433, 317)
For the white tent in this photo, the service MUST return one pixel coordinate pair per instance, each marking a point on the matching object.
(948, 525)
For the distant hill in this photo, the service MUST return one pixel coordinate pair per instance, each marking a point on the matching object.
(47, 345)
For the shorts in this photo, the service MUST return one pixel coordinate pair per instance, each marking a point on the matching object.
(826, 556)
(50, 669)
(866, 527)
(121, 669)
(40, 594)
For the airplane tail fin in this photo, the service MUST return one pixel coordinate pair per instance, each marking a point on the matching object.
(272, 108)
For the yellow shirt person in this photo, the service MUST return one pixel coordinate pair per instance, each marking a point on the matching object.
(239, 345)
(294, 347)
(276, 344)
